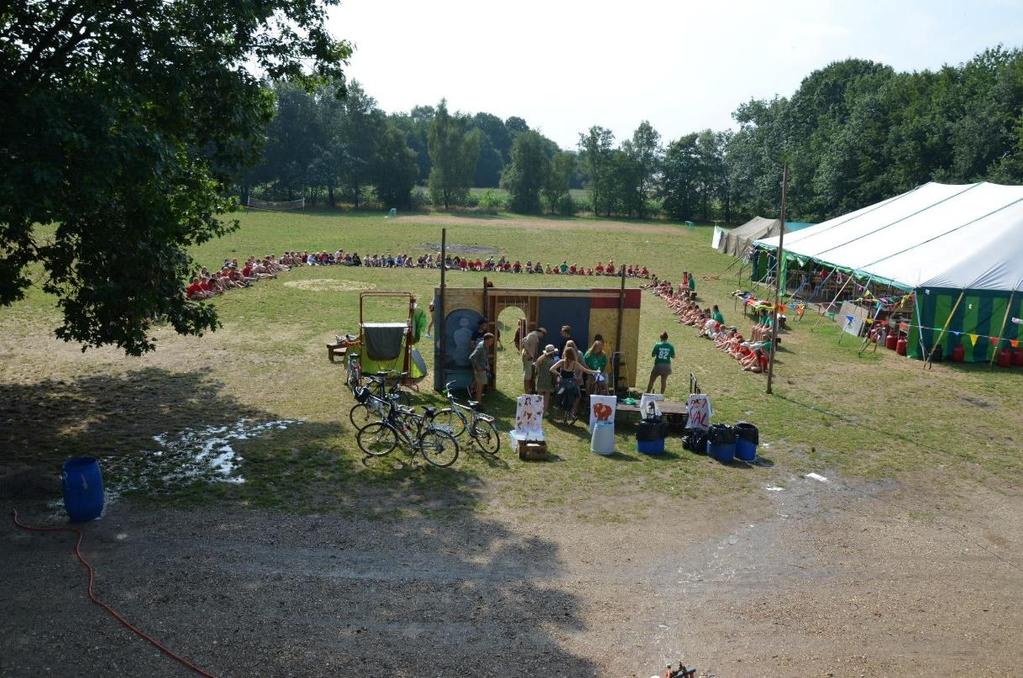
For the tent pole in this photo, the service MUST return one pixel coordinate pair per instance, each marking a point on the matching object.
(1005, 320)
(866, 337)
(777, 277)
(837, 295)
(941, 335)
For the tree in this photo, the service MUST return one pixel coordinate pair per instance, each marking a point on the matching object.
(126, 127)
(356, 130)
(454, 150)
(394, 169)
(527, 173)
(596, 147)
(492, 127)
(559, 178)
(680, 176)
(645, 154)
(489, 165)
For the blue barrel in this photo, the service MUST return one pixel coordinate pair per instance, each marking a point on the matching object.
(723, 452)
(721, 442)
(650, 446)
(83, 489)
(746, 439)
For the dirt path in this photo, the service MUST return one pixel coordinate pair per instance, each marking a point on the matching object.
(843, 579)
(546, 224)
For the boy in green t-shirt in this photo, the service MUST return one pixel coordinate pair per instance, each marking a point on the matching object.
(662, 354)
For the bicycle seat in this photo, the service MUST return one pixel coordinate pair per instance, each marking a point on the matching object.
(474, 404)
(429, 412)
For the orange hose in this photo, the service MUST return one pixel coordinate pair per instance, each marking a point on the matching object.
(113, 613)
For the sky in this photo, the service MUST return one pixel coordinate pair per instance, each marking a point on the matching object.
(565, 65)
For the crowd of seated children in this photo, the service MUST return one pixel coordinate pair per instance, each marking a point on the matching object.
(231, 276)
(710, 323)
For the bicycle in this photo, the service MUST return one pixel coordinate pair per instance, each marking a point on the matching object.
(379, 438)
(480, 426)
(366, 410)
(353, 371)
(566, 401)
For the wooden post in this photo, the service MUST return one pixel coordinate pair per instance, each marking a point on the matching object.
(440, 326)
(621, 313)
(777, 277)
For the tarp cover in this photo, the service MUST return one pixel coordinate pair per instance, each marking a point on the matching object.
(384, 341)
(738, 240)
(937, 235)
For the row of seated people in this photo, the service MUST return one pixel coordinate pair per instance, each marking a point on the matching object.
(232, 276)
(710, 324)
(490, 264)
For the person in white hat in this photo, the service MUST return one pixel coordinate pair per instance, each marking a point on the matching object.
(544, 378)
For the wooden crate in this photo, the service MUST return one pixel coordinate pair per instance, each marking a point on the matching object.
(532, 450)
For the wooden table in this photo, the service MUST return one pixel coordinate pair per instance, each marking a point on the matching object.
(674, 412)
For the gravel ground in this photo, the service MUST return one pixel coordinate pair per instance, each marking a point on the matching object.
(817, 579)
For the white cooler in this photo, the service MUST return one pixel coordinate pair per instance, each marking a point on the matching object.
(602, 440)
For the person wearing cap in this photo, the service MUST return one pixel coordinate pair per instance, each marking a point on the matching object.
(544, 378)
(530, 352)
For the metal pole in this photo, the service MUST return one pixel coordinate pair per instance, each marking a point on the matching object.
(778, 276)
(440, 326)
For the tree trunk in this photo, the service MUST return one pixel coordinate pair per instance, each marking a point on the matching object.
(330, 196)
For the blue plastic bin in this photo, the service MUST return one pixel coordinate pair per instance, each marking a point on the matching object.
(650, 446)
(83, 489)
(723, 452)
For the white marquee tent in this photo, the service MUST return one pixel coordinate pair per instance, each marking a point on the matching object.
(937, 235)
(958, 247)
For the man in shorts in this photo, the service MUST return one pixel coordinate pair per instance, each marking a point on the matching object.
(480, 361)
(530, 352)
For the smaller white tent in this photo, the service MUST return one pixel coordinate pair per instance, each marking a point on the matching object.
(737, 241)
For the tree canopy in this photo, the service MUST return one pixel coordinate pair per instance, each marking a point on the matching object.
(125, 126)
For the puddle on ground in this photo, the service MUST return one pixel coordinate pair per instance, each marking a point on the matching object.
(194, 454)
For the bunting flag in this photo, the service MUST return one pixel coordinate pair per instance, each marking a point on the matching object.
(957, 333)
(1014, 343)
(973, 339)
(904, 327)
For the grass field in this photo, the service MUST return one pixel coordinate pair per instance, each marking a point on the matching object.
(873, 415)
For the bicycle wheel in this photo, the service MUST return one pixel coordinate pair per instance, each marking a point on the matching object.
(450, 420)
(377, 439)
(484, 434)
(360, 415)
(438, 447)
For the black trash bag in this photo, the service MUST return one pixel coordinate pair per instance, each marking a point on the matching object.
(650, 430)
(747, 431)
(721, 433)
(695, 440)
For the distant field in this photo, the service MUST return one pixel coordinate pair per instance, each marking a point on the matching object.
(874, 415)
